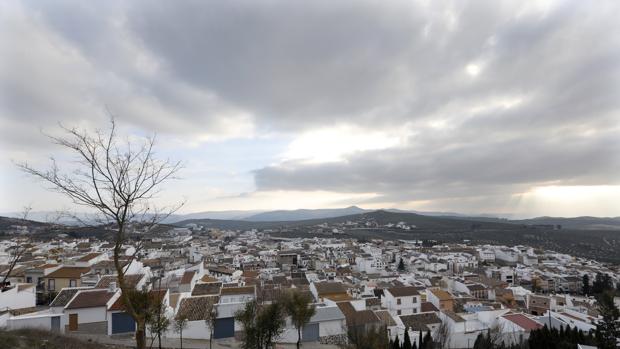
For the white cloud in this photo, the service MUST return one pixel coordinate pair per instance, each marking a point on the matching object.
(334, 143)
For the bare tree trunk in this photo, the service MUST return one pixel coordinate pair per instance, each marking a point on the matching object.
(141, 335)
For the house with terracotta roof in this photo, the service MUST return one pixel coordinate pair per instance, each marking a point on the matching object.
(441, 299)
(90, 259)
(537, 304)
(517, 326)
(88, 310)
(63, 298)
(401, 300)
(359, 321)
(65, 276)
(334, 291)
(120, 322)
(35, 273)
(241, 294)
(194, 309)
(416, 324)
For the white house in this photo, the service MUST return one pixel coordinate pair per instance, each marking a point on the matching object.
(88, 310)
(402, 300)
(328, 325)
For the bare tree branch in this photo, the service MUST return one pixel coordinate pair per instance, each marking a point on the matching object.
(118, 179)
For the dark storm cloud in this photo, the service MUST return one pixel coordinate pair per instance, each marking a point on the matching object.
(418, 172)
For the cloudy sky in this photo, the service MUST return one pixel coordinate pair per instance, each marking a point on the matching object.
(473, 107)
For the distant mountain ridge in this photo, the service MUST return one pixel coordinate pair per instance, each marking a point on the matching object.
(382, 217)
(303, 214)
(298, 215)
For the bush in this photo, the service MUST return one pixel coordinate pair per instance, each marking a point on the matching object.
(34, 338)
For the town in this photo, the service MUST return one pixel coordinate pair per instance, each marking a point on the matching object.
(410, 291)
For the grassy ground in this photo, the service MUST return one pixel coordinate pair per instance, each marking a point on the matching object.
(38, 339)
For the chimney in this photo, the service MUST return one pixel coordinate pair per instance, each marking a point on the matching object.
(112, 286)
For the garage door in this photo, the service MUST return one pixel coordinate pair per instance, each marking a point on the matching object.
(56, 323)
(310, 333)
(122, 323)
(224, 328)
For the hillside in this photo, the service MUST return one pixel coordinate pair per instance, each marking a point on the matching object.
(585, 222)
(303, 214)
(422, 222)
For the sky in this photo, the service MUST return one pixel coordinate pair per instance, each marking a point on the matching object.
(495, 107)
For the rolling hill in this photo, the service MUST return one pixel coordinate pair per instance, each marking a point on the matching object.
(381, 217)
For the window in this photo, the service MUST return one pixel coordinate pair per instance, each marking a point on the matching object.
(51, 284)
(29, 279)
(398, 301)
(398, 312)
(72, 283)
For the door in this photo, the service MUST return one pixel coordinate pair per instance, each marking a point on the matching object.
(224, 328)
(122, 323)
(310, 333)
(55, 324)
(73, 322)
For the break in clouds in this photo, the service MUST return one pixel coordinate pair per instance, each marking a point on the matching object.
(470, 99)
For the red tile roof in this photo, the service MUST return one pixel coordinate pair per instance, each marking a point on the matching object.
(89, 299)
(187, 277)
(403, 291)
(427, 306)
(155, 295)
(523, 321)
(89, 256)
(68, 273)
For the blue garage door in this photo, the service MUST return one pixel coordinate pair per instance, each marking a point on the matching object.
(122, 323)
(56, 323)
(224, 328)
(310, 333)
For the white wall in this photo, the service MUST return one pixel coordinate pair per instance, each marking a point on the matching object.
(195, 330)
(17, 300)
(88, 315)
(42, 321)
(332, 327)
(326, 328)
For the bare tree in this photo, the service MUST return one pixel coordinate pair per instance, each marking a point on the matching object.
(116, 178)
(15, 253)
(442, 335)
(211, 314)
(26, 212)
